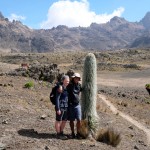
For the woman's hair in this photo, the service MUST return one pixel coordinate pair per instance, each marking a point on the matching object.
(64, 77)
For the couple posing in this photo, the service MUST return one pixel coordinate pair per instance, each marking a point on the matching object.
(67, 105)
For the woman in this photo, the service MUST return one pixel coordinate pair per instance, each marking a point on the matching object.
(61, 107)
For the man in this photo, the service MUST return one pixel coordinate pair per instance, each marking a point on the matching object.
(74, 107)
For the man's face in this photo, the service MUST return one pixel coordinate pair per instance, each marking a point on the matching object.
(76, 79)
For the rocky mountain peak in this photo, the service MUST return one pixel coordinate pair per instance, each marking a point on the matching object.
(1, 16)
(117, 20)
(146, 21)
(61, 27)
(95, 25)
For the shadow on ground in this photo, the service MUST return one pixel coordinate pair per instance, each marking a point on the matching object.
(34, 134)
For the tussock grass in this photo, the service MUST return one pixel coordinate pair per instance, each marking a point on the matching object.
(108, 136)
(84, 129)
(105, 135)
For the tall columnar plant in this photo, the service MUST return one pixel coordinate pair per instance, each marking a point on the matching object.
(89, 93)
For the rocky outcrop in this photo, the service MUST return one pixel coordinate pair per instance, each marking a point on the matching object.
(38, 72)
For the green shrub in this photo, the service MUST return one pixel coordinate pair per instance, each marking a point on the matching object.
(29, 85)
(147, 86)
(147, 100)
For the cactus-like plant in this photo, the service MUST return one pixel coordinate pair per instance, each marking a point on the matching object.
(89, 93)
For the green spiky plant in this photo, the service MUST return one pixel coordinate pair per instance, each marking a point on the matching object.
(29, 85)
(89, 93)
(147, 87)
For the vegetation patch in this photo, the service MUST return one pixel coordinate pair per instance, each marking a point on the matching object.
(108, 136)
(29, 85)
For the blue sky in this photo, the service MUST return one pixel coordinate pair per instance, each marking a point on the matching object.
(51, 13)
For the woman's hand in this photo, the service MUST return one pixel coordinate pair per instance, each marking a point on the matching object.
(58, 112)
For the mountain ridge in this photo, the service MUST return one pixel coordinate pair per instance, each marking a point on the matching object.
(118, 33)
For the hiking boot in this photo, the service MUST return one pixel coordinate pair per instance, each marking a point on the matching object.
(72, 136)
(61, 133)
(78, 136)
(61, 136)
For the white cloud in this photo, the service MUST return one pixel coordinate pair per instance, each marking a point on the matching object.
(16, 17)
(75, 13)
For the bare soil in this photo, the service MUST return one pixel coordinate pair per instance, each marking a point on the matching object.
(27, 117)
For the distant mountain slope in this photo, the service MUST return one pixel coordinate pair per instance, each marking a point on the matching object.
(116, 34)
(142, 41)
(146, 21)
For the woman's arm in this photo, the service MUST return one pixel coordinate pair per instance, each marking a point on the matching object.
(58, 94)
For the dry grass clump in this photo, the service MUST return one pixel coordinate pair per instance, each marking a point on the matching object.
(84, 130)
(108, 136)
(88, 128)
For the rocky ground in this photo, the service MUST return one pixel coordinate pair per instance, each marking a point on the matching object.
(27, 117)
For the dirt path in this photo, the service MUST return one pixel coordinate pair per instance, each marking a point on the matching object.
(126, 117)
(65, 64)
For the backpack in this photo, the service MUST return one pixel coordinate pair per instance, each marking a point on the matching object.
(53, 94)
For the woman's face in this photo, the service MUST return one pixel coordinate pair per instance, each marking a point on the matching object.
(66, 81)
